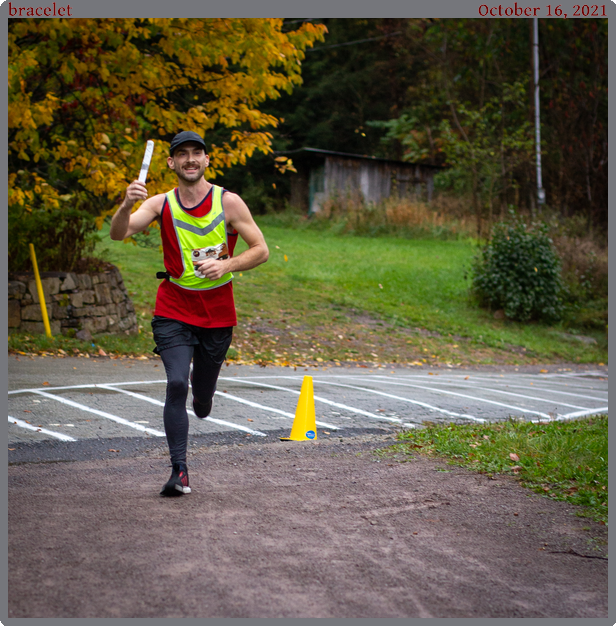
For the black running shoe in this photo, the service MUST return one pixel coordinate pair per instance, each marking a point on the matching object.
(201, 410)
(177, 485)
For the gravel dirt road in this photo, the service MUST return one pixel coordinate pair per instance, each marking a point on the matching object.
(294, 529)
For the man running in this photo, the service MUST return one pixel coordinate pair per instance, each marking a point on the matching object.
(194, 313)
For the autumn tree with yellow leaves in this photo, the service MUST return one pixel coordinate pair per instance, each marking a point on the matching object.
(86, 94)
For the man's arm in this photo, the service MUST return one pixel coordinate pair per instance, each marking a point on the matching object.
(237, 215)
(124, 223)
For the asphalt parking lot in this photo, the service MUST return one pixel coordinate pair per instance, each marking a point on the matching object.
(77, 399)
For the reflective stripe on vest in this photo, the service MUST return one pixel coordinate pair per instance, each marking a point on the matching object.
(199, 238)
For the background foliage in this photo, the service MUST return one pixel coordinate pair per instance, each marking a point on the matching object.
(414, 89)
(518, 271)
(85, 95)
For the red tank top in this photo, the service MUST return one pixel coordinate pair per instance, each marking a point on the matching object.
(212, 308)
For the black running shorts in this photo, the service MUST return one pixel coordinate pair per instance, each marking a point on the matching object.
(169, 333)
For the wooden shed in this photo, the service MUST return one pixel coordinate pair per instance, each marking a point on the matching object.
(323, 173)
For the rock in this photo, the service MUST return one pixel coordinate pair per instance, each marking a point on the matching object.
(32, 312)
(14, 313)
(94, 303)
(88, 296)
(59, 312)
(38, 328)
(83, 335)
(117, 296)
(69, 283)
(84, 282)
(16, 289)
(77, 300)
(103, 293)
(51, 286)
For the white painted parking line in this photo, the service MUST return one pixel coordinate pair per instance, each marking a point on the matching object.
(88, 386)
(575, 375)
(320, 399)
(231, 425)
(417, 402)
(318, 380)
(508, 393)
(20, 423)
(570, 416)
(552, 382)
(109, 416)
(559, 393)
(159, 403)
(115, 387)
(536, 388)
(461, 395)
(269, 409)
(497, 381)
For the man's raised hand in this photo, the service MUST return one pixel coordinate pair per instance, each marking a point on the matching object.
(135, 192)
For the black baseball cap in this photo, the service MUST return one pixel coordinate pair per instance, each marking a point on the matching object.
(183, 137)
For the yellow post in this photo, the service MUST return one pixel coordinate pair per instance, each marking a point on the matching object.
(41, 294)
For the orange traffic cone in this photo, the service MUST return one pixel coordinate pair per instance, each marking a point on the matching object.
(304, 425)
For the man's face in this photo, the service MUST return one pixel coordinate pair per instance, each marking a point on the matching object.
(189, 162)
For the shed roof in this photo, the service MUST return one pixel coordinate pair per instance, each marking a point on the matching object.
(319, 151)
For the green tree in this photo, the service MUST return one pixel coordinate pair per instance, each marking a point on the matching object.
(488, 146)
(471, 63)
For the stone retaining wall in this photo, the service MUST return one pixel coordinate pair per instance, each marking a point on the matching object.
(97, 303)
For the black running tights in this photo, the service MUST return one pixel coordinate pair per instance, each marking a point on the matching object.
(177, 366)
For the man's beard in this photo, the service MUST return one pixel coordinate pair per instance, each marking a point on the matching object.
(193, 177)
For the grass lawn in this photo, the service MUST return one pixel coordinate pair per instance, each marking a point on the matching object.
(565, 461)
(323, 297)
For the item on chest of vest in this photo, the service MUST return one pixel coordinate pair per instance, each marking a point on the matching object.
(212, 252)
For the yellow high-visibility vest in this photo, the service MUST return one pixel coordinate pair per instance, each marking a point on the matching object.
(199, 238)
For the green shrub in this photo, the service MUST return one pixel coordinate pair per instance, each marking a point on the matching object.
(61, 237)
(519, 271)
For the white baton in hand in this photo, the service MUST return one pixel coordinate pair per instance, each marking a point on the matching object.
(147, 158)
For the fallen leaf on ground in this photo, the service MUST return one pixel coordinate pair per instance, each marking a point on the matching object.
(513, 456)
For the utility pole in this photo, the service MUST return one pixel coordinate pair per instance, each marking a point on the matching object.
(540, 189)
